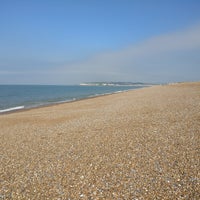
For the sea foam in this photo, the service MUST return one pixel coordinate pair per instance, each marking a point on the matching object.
(12, 109)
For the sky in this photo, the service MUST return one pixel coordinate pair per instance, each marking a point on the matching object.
(73, 41)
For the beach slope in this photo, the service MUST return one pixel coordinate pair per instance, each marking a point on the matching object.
(141, 144)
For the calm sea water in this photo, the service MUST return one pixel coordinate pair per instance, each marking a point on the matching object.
(14, 97)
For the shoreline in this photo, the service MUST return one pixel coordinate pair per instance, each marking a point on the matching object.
(24, 109)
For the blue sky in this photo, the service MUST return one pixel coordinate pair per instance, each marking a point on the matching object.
(73, 41)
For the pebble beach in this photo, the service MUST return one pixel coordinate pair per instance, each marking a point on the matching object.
(139, 144)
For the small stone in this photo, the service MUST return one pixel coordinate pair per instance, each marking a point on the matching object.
(81, 195)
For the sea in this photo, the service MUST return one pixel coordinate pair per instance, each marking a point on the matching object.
(18, 97)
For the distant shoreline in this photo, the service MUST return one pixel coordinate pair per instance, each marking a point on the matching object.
(23, 108)
(117, 84)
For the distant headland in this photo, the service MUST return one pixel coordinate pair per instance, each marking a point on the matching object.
(116, 84)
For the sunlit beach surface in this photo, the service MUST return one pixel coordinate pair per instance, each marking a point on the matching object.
(140, 144)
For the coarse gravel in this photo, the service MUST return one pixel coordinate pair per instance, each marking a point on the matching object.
(140, 144)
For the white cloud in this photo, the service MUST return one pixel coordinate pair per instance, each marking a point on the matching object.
(155, 55)
(169, 57)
